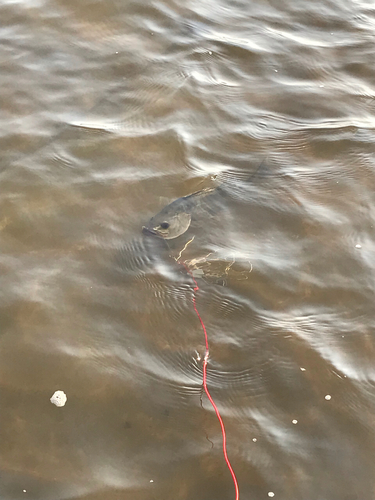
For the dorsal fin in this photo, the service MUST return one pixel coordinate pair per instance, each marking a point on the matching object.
(202, 192)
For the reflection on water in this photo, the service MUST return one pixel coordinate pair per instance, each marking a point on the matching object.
(111, 111)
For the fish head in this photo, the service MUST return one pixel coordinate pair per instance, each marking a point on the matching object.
(168, 226)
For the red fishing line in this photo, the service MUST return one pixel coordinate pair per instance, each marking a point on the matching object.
(205, 361)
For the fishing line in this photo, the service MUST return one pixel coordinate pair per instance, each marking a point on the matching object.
(205, 362)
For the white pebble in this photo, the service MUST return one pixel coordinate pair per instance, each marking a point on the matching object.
(358, 245)
(294, 421)
(271, 494)
(302, 369)
(24, 491)
(255, 440)
(327, 397)
(59, 398)
(151, 480)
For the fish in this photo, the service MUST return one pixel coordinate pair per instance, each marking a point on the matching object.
(174, 219)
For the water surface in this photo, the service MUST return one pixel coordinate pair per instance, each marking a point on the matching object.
(111, 110)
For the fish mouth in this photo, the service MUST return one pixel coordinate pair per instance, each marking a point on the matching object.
(147, 230)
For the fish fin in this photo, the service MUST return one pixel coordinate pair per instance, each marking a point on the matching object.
(202, 192)
(262, 166)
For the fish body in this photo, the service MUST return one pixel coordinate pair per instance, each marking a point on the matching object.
(174, 219)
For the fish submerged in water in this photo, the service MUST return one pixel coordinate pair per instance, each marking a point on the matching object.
(174, 219)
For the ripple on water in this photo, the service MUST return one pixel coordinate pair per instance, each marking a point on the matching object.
(142, 104)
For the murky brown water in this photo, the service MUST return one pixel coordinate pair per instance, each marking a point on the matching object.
(109, 111)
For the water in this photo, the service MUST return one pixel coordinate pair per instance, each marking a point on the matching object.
(110, 110)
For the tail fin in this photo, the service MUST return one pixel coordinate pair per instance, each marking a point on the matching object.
(256, 172)
(222, 187)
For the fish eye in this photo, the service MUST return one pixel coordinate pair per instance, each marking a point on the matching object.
(164, 225)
